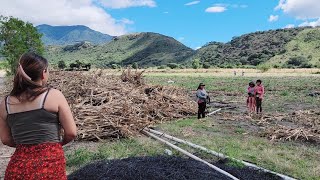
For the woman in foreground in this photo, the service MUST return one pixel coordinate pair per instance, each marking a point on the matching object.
(31, 117)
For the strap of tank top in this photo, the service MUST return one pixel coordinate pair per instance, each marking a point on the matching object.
(7, 105)
(43, 99)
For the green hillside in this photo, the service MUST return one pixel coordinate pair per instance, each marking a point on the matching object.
(146, 49)
(249, 49)
(305, 46)
(282, 48)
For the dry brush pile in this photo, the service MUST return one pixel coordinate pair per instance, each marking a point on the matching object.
(114, 107)
(300, 125)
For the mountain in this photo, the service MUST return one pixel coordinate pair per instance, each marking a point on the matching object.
(146, 49)
(278, 48)
(64, 35)
(281, 48)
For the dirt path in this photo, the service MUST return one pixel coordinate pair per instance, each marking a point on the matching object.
(5, 154)
(5, 151)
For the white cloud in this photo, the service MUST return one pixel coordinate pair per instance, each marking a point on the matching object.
(65, 12)
(196, 48)
(310, 23)
(288, 26)
(301, 9)
(221, 7)
(126, 21)
(192, 3)
(216, 9)
(166, 12)
(118, 4)
(273, 18)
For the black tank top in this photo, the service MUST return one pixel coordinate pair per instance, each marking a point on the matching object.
(35, 126)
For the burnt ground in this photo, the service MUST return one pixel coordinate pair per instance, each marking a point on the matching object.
(162, 168)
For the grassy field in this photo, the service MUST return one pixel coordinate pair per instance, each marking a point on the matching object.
(286, 92)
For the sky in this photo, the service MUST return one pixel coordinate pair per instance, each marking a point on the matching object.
(194, 23)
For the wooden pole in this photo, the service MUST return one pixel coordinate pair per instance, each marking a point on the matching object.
(189, 154)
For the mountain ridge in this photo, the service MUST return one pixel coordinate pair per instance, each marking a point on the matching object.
(66, 35)
(146, 49)
(276, 48)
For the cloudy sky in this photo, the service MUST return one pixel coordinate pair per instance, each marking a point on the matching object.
(194, 23)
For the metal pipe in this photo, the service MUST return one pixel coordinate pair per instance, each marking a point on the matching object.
(218, 154)
(190, 155)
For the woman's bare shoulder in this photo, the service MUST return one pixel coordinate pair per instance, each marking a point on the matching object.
(55, 92)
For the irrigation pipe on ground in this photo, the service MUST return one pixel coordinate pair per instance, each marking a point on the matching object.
(216, 153)
(214, 112)
(189, 154)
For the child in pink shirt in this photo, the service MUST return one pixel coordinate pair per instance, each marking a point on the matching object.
(251, 101)
(259, 93)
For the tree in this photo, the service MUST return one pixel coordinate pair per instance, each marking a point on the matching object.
(18, 37)
(61, 64)
(196, 64)
(206, 65)
(135, 65)
(173, 65)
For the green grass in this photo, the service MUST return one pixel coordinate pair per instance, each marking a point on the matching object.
(281, 92)
(235, 164)
(114, 150)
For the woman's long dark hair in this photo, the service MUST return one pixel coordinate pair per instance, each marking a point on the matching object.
(199, 87)
(30, 70)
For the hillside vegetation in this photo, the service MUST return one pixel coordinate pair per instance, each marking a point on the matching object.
(248, 49)
(145, 49)
(304, 48)
(66, 35)
(282, 48)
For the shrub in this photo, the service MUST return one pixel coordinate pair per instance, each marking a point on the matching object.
(206, 65)
(196, 64)
(276, 66)
(173, 65)
(162, 67)
(263, 67)
(297, 61)
(115, 66)
(135, 65)
(61, 64)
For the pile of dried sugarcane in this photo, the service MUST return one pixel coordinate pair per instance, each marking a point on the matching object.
(305, 126)
(114, 107)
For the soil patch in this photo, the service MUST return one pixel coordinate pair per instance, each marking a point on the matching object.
(162, 167)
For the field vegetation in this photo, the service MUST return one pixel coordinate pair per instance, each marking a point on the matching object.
(232, 131)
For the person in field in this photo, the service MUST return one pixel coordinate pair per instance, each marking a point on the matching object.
(31, 117)
(251, 101)
(259, 93)
(202, 97)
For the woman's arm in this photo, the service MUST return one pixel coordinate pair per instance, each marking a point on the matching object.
(262, 92)
(5, 132)
(65, 117)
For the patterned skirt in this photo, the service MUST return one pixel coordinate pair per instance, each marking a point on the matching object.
(41, 161)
